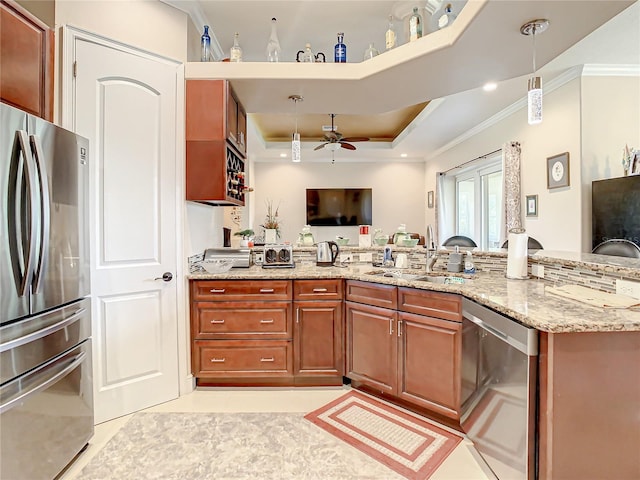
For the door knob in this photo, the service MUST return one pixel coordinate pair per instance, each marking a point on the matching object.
(166, 277)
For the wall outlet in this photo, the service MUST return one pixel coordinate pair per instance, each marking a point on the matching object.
(366, 257)
(628, 288)
(346, 258)
(537, 271)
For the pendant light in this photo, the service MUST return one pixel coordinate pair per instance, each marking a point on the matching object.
(534, 90)
(295, 139)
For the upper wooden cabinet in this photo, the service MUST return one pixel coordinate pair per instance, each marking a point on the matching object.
(26, 61)
(216, 129)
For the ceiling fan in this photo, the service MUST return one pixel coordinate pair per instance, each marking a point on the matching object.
(334, 139)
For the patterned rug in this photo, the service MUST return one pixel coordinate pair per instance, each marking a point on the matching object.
(403, 442)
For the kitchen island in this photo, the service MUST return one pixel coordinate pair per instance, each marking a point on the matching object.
(588, 391)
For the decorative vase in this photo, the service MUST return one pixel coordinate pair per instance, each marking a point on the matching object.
(270, 235)
(244, 243)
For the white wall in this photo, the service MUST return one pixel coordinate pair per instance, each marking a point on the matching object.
(398, 194)
(558, 224)
(610, 119)
(149, 25)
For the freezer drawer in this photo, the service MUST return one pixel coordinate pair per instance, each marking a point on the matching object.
(46, 416)
(28, 343)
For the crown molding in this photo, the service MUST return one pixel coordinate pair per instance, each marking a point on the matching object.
(602, 70)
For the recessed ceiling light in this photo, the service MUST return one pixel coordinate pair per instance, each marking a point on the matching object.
(283, 155)
(490, 87)
(403, 155)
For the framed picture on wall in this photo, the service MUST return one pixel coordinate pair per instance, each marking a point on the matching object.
(430, 199)
(532, 206)
(558, 171)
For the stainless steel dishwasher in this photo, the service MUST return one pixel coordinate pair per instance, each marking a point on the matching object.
(499, 378)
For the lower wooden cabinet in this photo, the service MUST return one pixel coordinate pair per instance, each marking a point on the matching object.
(414, 358)
(371, 346)
(429, 355)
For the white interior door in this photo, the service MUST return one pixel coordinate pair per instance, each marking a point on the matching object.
(126, 105)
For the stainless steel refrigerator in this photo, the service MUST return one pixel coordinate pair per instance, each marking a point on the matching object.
(46, 396)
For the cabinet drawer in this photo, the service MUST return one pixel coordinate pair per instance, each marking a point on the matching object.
(226, 290)
(317, 289)
(243, 358)
(246, 319)
(371, 294)
(432, 304)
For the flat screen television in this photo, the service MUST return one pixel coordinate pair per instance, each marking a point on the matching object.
(339, 206)
(615, 207)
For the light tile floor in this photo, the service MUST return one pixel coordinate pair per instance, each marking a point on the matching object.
(463, 463)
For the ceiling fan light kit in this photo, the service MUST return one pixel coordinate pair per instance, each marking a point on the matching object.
(534, 85)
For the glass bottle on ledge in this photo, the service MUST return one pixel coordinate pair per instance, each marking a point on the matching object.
(205, 45)
(415, 25)
(390, 35)
(273, 46)
(447, 17)
(340, 50)
(236, 50)
(370, 52)
(307, 55)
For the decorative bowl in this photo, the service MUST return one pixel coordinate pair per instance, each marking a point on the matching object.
(342, 241)
(408, 242)
(217, 266)
(381, 240)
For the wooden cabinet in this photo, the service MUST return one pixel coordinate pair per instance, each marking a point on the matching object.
(26, 61)
(429, 356)
(412, 353)
(318, 332)
(215, 143)
(242, 332)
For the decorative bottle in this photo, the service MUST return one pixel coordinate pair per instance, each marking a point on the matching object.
(415, 25)
(236, 50)
(390, 35)
(370, 52)
(205, 45)
(340, 50)
(447, 17)
(273, 46)
(307, 55)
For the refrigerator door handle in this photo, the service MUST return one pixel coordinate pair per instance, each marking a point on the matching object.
(17, 229)
(45, 209)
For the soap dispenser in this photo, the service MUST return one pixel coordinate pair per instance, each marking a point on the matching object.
(469, 267)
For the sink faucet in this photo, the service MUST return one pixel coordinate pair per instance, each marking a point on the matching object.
(432, 250)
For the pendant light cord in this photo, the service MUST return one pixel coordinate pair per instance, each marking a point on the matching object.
(533, 34)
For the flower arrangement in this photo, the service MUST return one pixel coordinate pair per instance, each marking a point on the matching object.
(271, 221)
(245, 234)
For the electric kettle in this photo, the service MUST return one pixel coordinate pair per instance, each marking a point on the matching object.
(327, 254)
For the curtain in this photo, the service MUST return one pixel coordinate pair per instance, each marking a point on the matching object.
(511, 204)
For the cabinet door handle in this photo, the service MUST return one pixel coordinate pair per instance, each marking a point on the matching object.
(267, 359)
(266, 320)
(217, 360)
(217, 290)
(266, 290)
(319, 290)
(217, 321)
(399, 328)
(391, 326)
(298, 315)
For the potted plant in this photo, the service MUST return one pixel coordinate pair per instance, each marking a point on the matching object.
(246, 236)
(271, 224)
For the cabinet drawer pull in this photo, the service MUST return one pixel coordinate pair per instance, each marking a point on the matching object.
(266, 320)
(217, 321)
(217, 290)
(267, 359)
(266, 290)
(319, 290)
(217, 360)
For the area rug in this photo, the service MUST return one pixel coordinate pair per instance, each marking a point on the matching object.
(412, 447)
(228, 446)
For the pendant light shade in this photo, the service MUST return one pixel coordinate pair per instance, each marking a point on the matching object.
(534, 87)
(296, 156)
(534, 101)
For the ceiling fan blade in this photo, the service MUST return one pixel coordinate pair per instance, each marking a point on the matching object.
(321, 146)
(348, 146)
(355, 139)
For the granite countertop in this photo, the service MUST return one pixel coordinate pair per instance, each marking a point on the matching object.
(524, 300)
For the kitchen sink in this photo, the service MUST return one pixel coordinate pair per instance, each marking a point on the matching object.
(440, 277)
